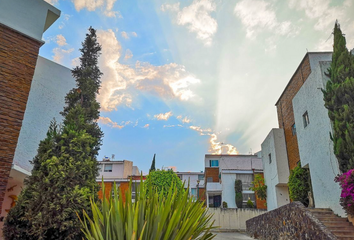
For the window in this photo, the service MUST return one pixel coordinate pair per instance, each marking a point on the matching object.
(214, 163)
(293, 129)
(108, 167)
(194, 193)
(270, 158)
(246, 180)
(306, 119)
(201, 177)
(210, 179)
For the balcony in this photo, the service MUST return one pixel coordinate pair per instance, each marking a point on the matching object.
(213, 187)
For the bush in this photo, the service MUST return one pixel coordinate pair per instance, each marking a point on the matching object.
(151, 216)
(299, 184)
(250, 204)
(238, 193)
(162, 181)
(224, 204)
(346, 182)
(259, 187)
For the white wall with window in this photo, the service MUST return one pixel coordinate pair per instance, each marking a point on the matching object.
(195, 179)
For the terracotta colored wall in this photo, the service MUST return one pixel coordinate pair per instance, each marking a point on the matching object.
(108, 190)
(212, 172)
(261, 204)
(202, 194)
(286, 113)
(18, 57)
(124, 186)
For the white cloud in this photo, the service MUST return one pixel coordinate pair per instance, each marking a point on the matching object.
(61, 41)
(169, 81)
(146, 125)
(91, 5)
(201, 130)
(127, 35)
(258, 15)
(184, 120)
(196, 17)
(321, 11)
(107, 121)
(75, 62)
(65, 18)
(128, 54)
(163, 116)
(60, 53)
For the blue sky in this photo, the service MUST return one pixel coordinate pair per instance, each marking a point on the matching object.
(182, 79)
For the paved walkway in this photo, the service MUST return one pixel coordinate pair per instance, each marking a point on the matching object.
(231, 236)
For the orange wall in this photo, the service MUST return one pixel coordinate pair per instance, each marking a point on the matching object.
(108, 190)
(261, 204)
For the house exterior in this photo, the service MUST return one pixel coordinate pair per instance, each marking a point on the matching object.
(120, 172)
(196, 183)
(22, 24)
(221, 171)
(303, 136)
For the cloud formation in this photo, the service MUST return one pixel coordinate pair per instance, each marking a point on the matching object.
(146, 125)
(196, 17)
(163, 116)
(258, 15)
(91, 5)
(60, 53)
(128, 54)
(184, 120)
(61, 41)
(107, 121)
(169, 81)
(127, 35)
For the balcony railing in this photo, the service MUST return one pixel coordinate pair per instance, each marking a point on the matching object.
(214, 187)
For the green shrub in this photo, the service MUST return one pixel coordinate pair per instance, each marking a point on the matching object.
(162, 180)
(299, 184)
(250, 204)
(152, 216)
(224, 204)
(238, 193)
(259, 187)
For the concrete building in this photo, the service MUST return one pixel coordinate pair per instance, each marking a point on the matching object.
(22, 24)
(221, 171)
(305, 129)
(196, 183)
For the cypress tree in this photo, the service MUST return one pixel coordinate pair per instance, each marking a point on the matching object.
(339, 100)
(65, 168)
(152, 168)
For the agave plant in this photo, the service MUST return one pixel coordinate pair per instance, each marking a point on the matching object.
(152, 216)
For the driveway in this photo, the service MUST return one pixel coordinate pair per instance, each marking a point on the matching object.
(231, 236)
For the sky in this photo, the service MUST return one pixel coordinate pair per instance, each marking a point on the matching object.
(195, 77)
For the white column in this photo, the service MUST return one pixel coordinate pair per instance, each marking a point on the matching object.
(207, 199)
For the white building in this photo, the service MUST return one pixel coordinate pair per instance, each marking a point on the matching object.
(311, 130)
(195, 180)
(116, 170)
(221, 171)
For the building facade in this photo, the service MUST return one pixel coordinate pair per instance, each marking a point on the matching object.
(22, 24)
(196, 184)
(221, 172)
(303, 137)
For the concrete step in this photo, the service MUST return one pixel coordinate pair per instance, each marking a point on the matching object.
(343, 232)
(331, 218)
(345, 238)
(341, 227)
(336, 223)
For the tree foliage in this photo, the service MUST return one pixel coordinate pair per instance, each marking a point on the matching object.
(299, 184)
(238, 193)
(152, 216)
(259, 187)
(65, 168)
(161, 181)
(339, 100)
(152, 168)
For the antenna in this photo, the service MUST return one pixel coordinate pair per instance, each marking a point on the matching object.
(113, 155)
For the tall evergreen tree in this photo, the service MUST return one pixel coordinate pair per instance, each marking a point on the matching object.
(65, 168)
(339, 100)
(152, 168)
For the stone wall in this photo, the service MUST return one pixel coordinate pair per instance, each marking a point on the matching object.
(233, 218)
(18, 56)
(286, 113)
(292, 221)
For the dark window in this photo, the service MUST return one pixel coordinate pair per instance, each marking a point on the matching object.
(210, 179)
(270, 158)
(293, 129)
(200, 177)
(306, 119)
(214, 163)
(108, 167)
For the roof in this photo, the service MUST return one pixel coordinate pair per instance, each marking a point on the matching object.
(291, 79)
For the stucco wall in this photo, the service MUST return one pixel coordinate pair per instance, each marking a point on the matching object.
(228, 189)
(51, 82)
(117, 170)
(316, 148)
(276, 173)
(233, 219)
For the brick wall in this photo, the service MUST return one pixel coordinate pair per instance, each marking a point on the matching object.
(108, 190)
(212, 172)
(18, 57)
(286, 113)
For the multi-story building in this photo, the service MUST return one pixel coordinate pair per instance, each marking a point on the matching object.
(120, 172)
(25, 79)
(196, 183)
(303, 136)
(221, 172)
